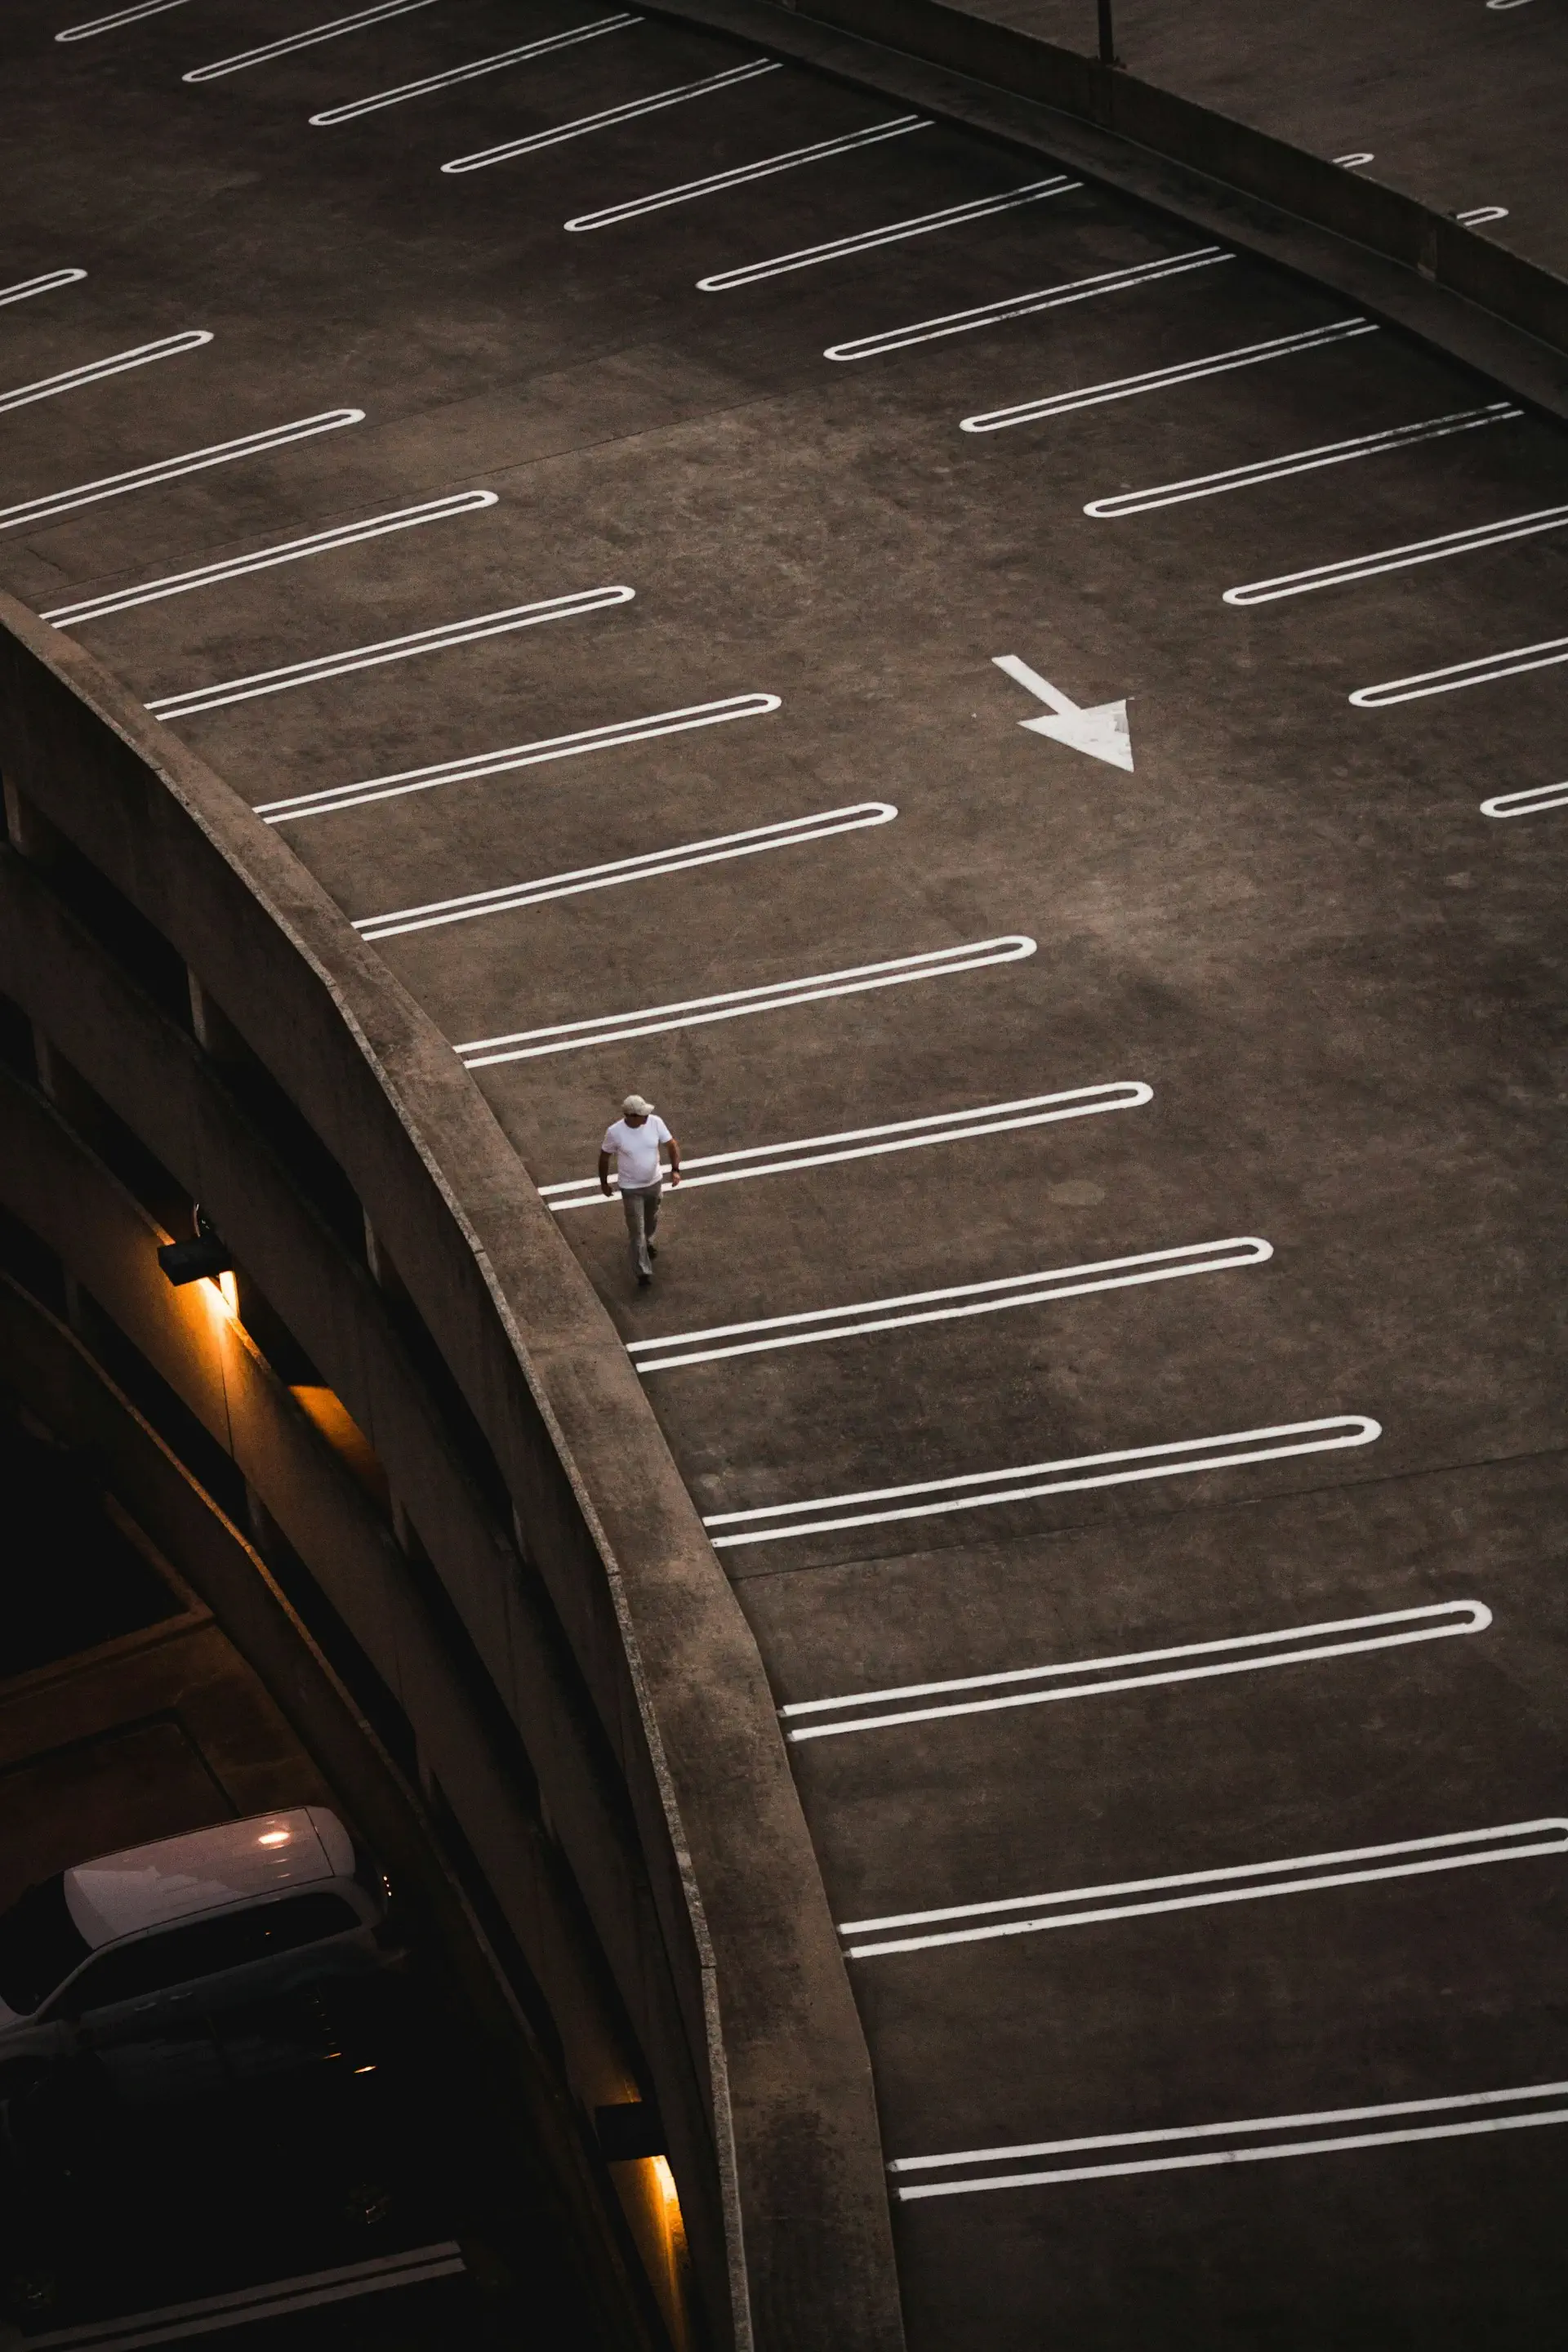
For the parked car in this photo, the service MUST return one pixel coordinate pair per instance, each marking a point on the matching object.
(211, 2042)
(126, 1948)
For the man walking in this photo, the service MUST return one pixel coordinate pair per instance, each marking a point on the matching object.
(633, 1143)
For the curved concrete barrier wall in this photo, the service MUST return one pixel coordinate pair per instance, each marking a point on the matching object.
(1346, 204)
(756, 2052)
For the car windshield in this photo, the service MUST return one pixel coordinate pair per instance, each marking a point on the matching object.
(206, 1947)
(40, 1944)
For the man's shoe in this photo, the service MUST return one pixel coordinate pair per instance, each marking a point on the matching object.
(644, 1281)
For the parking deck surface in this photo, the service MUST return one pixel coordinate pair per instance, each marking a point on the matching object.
(1259, 1539)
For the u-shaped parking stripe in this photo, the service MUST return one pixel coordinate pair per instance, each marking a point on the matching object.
(47, 387)
(471, 72)
(213, 2315)
(439, 640)
(121, 17)
(519, 755)
(735, 1003)
(1523, 2109)
(871, 1143)
(1539, 798)
(764, 168)
(32, 511)
(288, 551)
(1023, 306)
(867, 239)
(1300, 461)
(513, 895)
(308, 39)
(982, 1489)
(1198, 1890)
(955, 1304)
(1187, 1662)
(1400, 558)
(610, 115)
(1167, 379)
(1482, 671)
(26, 288)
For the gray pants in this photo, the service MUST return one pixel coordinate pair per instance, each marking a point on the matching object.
(642, 1221)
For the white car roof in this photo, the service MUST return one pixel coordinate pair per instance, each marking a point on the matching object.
(205, 1870)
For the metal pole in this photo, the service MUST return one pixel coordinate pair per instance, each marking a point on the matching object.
(1107, 38)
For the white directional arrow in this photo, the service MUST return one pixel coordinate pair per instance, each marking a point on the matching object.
(1101, 731)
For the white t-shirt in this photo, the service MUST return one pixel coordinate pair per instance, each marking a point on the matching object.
(634, 1151)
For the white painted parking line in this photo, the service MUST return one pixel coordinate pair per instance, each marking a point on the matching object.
(1527, 804)
(121, 17)
(1165, 379)
(512, 896)
(306, 40)
(981, 1489)
(455, 74)
(1400, 558)
(610, 115)
(1521, 2109)
(1482, 671)
(1198, 1890)
(1023, 306)
(871, 1143)
(1302, 461)
(764, 168)
(1480, 215)
(953, 1305)
(167, 347)
(519, 755)
(437, 640)
(212, 2313)
(1187, 1662)
(807, 256)
(735, 1003)
(34, 511)
(288, 551)
(27, 287)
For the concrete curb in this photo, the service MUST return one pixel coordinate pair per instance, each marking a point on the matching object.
(1411, 266)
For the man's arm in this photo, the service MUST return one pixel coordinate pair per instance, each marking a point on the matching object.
(674, 1161)
(605, 1173)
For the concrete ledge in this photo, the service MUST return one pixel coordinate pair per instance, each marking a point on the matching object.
(783, 2178)
(1415, 266)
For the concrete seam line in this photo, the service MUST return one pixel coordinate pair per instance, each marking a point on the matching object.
(887, 58)
(220, 887)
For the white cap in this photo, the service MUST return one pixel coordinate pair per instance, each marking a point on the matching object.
(637, 1106)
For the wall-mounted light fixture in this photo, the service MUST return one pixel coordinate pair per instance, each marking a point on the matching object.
(201, 1260)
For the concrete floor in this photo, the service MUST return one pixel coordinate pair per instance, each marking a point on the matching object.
(1292, 922)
